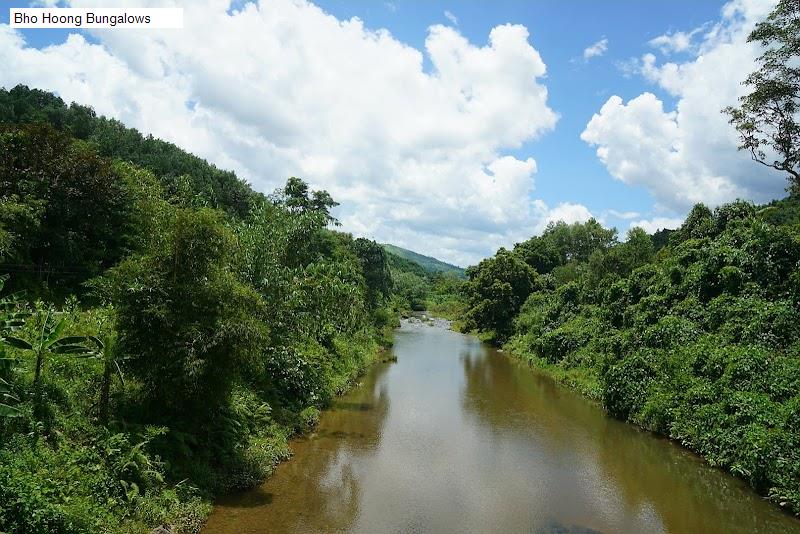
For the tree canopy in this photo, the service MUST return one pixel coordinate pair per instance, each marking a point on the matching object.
(229, 319)
(768, 117)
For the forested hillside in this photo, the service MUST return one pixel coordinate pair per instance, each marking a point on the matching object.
(429, 264)
(181, 175)
(417, 288)
(163, 329)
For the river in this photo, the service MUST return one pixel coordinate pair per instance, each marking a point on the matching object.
(457, 437)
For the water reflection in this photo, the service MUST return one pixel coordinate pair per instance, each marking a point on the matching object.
(633, 480)
(318, 490)
(474, 442)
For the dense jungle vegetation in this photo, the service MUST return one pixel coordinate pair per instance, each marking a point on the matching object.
(425, 286)
(698, 341)
(695, 333)
(164, 329)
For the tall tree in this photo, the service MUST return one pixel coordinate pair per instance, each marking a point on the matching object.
(375, 267)
(496, 290)
(297, 197)
(187, 325)
(767, 117)
(67, 212)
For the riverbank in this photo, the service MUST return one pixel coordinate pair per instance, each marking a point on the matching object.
(694, 337)
(588, 382)
(72, 482)
(457, 437)
(583, 380)
(268, 451)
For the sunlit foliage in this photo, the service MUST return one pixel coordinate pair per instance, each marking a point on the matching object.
(698, 341)
(210, 323)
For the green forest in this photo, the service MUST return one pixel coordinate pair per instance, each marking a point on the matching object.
(429, 264)
(423, 286)
(692, 333)
(697, 340)
(164, 328)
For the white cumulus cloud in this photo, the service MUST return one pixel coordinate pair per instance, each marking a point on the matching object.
(676, 41)
(658, 223)
(624, 214)
(278, 88)
(688, 154)
(567, 212)
(452, 18)
(597, 49)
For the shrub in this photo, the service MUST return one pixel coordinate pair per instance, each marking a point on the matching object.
(626, 384)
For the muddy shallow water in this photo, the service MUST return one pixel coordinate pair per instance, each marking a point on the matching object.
(456, 437)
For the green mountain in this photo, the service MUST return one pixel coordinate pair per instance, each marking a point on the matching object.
(429, 264)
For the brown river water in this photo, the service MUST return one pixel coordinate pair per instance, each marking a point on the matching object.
(458, 438)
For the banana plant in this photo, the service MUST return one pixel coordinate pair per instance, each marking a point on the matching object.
(12, 314)
(106, 350)
(49, 339)
(6, 408)
(12, 317)
(7, 399)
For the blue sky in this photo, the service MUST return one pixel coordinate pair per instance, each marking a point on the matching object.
(656, 164)
(560, 31)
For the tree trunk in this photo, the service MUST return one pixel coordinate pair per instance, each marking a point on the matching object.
(37, 392)
(38, 373)
(105, 388)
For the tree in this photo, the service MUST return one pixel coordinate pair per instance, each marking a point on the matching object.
(638, 247)
(66, 209)
(412, 288)
(588, 237)
(375, 267)
(767, 117)
(562, 243)
(622, 258)
(106, 349)
(298, 198)
(698, 224)
(187, 324)
(540, 253)
(290, 231)
(496, 290)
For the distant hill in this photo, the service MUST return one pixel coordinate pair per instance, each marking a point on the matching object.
(430, 265)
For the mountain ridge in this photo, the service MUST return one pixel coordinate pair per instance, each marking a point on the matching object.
(429, 263)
